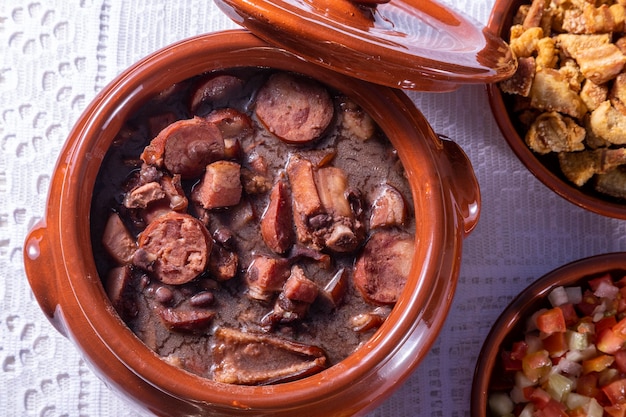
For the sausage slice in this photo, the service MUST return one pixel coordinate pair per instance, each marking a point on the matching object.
(295, 109)
(185, 147)
(178, 246)
(277, 220)
(381, 271)
(117, 240)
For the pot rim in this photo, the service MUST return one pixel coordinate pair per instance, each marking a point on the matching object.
(411, 328)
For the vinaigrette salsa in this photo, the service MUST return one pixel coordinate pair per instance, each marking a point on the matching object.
(570, 361)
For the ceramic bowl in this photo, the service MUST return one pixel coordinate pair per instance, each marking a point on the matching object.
(545, 168)
(61, 269)
(511, 324)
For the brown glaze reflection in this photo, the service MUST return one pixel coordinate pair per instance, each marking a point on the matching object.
(412, 44)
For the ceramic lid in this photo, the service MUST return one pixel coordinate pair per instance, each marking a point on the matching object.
(410, 44)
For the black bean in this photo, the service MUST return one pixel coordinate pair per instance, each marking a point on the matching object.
(164, 295)
(202, 299)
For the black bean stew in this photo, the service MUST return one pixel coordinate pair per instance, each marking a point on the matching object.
(252, 226)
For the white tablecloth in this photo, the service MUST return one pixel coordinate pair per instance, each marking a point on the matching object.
(57, 54)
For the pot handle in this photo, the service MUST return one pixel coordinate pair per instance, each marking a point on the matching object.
(41, 271)
(463, 183)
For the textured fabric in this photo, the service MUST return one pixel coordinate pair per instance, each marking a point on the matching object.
(57, 54)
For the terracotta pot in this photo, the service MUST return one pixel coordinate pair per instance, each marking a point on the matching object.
(511, 323)
(544, 168)
(62, 272)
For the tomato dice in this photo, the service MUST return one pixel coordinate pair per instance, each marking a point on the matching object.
(617, 410)
(595, 283)
(551, 321)
(588, 385)
(536, 364)
(619, 328)
(608, 341)
(620, 361)
(597, 364)
(616, 392)
(555, 344)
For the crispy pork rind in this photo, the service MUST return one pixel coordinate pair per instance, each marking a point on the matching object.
(613, 182)
(551, 91)
(553, 132)
(569, 92)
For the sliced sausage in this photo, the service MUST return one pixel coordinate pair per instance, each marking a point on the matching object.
(186, 320)
(216, 90)
(381, 271)
(295, 109)
(277, 221)
(232, 123)
(300, 288)
(389, 208)
(185, 147)
(220, 186)
(117, 285)
(178, 246)
(118, 241)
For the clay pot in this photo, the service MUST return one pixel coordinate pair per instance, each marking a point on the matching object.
(511, 324)
(545, 168)
(62, 272)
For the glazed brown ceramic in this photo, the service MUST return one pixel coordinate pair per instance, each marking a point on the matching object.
(510, 324)
(410, 44)
(546, 169)
(62, 273)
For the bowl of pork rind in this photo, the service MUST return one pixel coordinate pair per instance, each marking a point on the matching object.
(563, 112)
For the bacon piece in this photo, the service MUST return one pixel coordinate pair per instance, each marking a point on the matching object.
(220, 186)
(306, 201)
(266, 276)
(254, 359)
(299, 288)
(356, 123)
